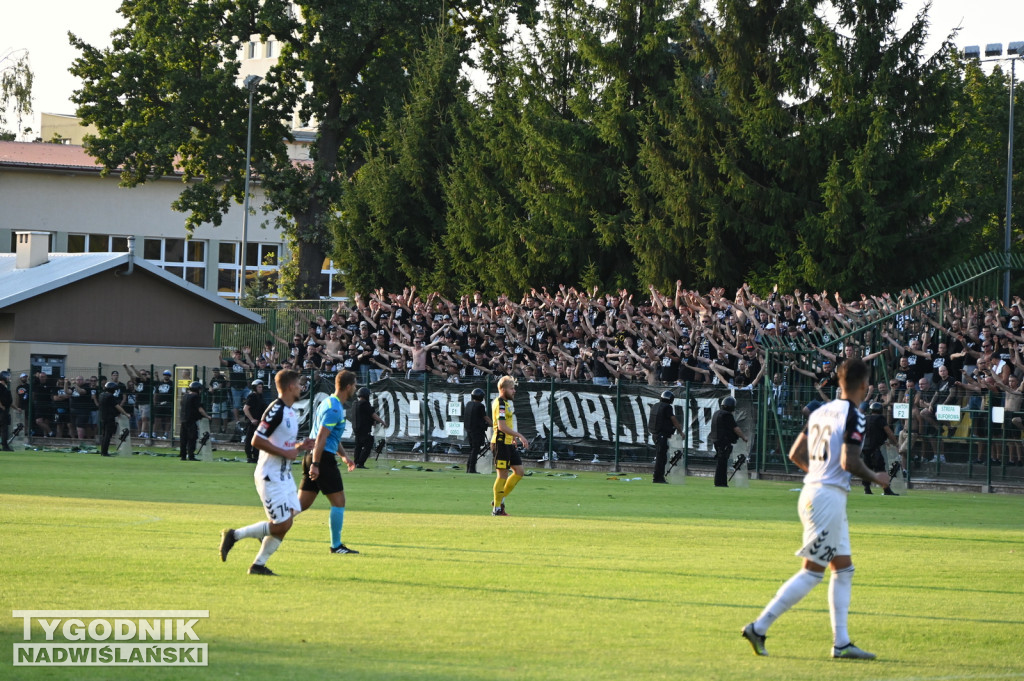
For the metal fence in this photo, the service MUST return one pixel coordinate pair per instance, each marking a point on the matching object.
(562, 421)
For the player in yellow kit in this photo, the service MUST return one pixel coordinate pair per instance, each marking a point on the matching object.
(503, 441)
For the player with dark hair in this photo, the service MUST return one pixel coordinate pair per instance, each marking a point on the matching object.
(503, 441)
(320, 472)
(275, 438)
(477, 423)
(828, 451)
(661, 423)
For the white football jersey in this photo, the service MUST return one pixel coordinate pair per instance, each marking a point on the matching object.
(279, 425)
(830, 426)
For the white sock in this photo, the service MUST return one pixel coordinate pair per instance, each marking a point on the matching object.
(270, 544)
(839, 590)
(788, 595)
(256, 531)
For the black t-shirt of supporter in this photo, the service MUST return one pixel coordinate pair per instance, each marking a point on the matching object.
(108, 406)
(190, 408)
(668, 369)
(686, 372)
(476, 425)
(723, 428)
(918, 367)
(22, 394)
(42, 395)
(81, 398)
(163, 391)
(237, 372)
(362, 421)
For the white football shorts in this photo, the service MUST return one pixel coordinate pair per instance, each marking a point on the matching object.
(279, 497)
(826, 530)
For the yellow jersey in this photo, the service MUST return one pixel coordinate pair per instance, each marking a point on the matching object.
(502, 410)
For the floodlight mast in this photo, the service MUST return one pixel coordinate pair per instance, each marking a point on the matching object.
(250, 83)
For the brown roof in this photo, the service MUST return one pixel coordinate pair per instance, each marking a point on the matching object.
(40, 155)
(36, 154)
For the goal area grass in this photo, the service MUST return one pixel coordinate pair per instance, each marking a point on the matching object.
(589, 578)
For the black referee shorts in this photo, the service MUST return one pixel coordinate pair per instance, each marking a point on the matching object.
(506, 456)
(329, 479)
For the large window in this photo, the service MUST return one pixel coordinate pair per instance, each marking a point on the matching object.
(270, 49)
(180, 257)
(97, 243)
(261, 261)
(330, 280)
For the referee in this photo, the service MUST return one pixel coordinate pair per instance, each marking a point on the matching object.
(319, 467)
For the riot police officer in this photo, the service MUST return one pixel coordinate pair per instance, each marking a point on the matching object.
(662, 424)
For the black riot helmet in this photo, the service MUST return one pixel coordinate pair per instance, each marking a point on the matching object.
(363, 393)
(110, 386)
(876, 407)
(667, 396)
(477, 394)
(195, 386)
(729, 403)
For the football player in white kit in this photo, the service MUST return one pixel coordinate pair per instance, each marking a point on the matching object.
(275, 439)
(828, 451)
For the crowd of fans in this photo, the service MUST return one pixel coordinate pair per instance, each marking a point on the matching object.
(930, 351)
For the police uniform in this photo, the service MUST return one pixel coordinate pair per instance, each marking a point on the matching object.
(362, 428)
(107, 414)
(330, 414)
(190, 416)
(505, 454)
(661, 430)
(874, 438)
(476, 432)
(723, 437)
(254, 400)
(822, 505)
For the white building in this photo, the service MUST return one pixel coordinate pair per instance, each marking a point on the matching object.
(58, 188)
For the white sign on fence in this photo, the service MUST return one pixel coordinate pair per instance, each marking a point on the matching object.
(947, 412)
(454, 409)
(997, 414)
(455, 429)
(901, 410)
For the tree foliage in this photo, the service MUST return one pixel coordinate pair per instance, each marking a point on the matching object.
(620, 143)
(16, 80)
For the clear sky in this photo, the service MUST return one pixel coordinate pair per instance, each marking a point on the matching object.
(42, 26)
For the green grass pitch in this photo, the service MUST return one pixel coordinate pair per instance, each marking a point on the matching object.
(588, 579)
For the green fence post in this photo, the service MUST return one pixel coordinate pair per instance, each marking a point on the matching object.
(618, 395)
(988, 448)
(910, 432)
(152, 399)
(688, 428)
(423, 417)
(551, 424)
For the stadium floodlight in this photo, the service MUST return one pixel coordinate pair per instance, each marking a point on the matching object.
(994, 52)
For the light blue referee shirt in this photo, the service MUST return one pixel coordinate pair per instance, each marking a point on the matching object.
(330, 414)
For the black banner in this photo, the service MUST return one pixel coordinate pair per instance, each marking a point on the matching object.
(576, 414)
